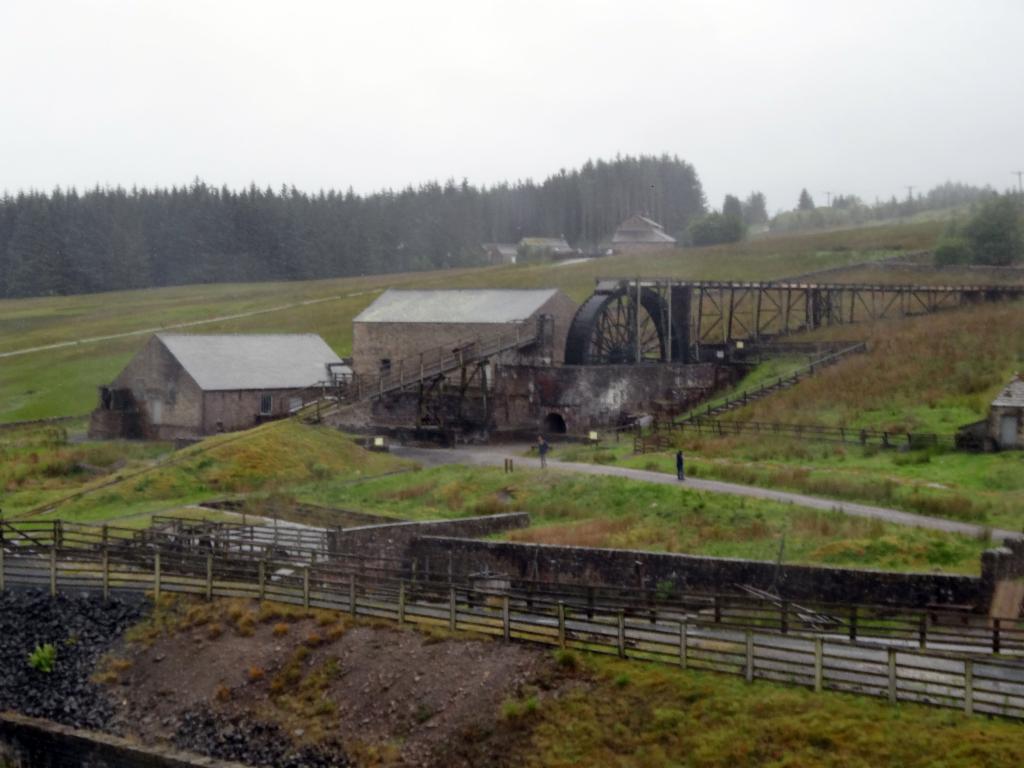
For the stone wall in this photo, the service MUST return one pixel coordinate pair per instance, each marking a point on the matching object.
(27, 742)
(637, 569)
(995, 424)
(589, 396)
(1003, 563)
(240, 409)
(392, 541)
(169, 400)
(373, 342)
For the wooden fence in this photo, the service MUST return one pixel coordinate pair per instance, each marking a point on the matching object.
(827, 661)
(186, 544)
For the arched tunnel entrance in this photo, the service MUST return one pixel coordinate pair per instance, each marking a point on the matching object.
(554, 424)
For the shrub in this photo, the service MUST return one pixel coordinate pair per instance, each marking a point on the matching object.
(567, 660)
(995, 234)
(280, 629)
(43, 658)
(952, 250)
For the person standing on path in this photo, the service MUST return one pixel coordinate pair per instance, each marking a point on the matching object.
(680, 474)
(542, 449)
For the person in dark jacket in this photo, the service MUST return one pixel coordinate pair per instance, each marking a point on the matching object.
(679, 466)
(542, 449)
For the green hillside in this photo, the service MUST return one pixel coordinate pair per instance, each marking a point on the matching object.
(62, 381)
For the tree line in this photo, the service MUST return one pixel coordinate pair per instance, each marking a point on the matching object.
(102, 239)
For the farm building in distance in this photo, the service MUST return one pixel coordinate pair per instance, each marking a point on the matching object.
(187, 386)
(401, 326)
(555, 247)
(500, 253)
(1006, 417)
(638, 234)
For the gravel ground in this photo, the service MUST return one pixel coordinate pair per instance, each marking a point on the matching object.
(250, 741)
(81, 630)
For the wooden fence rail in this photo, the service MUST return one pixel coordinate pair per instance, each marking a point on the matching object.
(242, 550)
(830, 662)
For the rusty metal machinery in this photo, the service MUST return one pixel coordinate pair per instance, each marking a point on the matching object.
(636, 321)
(626, 323)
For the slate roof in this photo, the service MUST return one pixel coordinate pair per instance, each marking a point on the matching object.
(455, 306)
(556, 244)
(505, 249)
(640, 229)
(251, 361)
(1012, 396)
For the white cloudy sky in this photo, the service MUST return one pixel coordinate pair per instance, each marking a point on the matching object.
(863, 97)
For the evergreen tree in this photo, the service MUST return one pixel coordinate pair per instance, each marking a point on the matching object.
(806, 202)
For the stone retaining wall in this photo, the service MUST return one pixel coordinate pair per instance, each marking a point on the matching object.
(28, 742)
(638, 569)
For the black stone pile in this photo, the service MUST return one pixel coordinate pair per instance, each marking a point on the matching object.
(251, 742)
(81, 629)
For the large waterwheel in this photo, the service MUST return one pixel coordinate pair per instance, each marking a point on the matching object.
(613, 328)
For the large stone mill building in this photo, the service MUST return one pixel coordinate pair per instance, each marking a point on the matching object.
(400, 327)
(186, 386)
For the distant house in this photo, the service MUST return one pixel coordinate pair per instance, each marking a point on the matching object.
(186, 386)
(500, 253)
(1006, 415)
(401, 326)
(1004, 427)
(555, 247)
(638, 234)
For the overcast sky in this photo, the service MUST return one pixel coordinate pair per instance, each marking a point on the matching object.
(860, 98)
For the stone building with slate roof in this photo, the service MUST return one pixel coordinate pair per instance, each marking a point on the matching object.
(402, 325)
(1006, 415)
(638, 234)
(183, 386)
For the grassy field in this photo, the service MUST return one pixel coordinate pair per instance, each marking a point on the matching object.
(566, 508)
(112, 480)
(63, 381)
(922, 375)
(651, 716)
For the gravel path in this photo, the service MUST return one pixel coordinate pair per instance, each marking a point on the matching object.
(496, 455)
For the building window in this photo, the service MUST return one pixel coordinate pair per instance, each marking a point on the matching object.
(266, 405)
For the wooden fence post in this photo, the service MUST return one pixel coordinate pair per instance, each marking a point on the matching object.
(156, 576)
(451, 609)
(969, 686)
(106, 575)
(305, 588)
(750, 656)
(996, 640)
(683, 642)
(506, 624)
(622, 634)
(922, 630)
(784, 617)
(561, 624)
(401, 603)
(853, 623)
(53, 570)
(2, 582)
(892, 675)
(263, 579)
(209, 577)
(818, 658)
(352, 594)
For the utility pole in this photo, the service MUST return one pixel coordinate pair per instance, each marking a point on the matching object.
(1018, 174)
(828, 199)
(910, 191)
